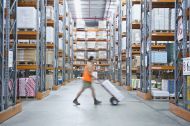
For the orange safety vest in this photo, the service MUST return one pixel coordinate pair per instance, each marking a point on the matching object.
(86, 75)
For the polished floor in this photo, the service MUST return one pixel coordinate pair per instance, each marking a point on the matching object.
(58, 110)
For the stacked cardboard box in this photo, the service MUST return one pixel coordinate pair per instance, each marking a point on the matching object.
(159, 56)
(81, 45)
(81, 35)
(91, 45)
(26, 55)
(160, 19)
(49, 12)
(136, 13)
(27, 18)
(124, 42)
(136, 36)
(102, 54)
(49, 56)
(102, 24)
(80, 24)
(101, 45)
(50, 34)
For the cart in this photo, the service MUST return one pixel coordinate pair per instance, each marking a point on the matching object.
(117, 96)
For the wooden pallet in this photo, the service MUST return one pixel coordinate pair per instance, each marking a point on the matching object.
(163, 31)
(26, 62)
(26, 29)
(160, 98)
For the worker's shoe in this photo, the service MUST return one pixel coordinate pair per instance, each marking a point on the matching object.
(96, 102)
(76, 102)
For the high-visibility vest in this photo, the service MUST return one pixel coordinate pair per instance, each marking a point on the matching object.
(86, 75)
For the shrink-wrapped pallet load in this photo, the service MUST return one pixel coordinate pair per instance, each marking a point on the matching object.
(101, 45)
(81, 45)
(27, 18)
(102, 24)
(60, 44)
(80, 24)
(49, 13)
(81, 35)
(50, 34)
(136, 36)
(136, 13)
(91, 45)
(61, 10)
(80, 55)
(60, 26)
(49, 56)
(91, 35)
(26, 55)
(123, 43)
(102, 54)
(102, 35)
(123, 26)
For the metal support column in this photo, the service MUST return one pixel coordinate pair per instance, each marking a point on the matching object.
(42, 47)
(69, 56)
(120, 42)
(10, 74)
(113, 49)
(64, 40)
(145, 68)
(56, 40)
(181, 48)
(128, 44)
(2, 54)
(72, 52)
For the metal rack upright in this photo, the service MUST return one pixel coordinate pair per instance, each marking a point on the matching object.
(145, 52)
(119, 77)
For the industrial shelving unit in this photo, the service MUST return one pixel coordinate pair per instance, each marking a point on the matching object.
(85, 50)
(8, 72)
(181, 106)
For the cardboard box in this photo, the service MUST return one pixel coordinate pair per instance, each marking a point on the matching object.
(50, 34)
(49, 12)
(27, 18)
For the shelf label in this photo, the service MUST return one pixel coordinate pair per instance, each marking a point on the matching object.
(186, 66)
(180, 30)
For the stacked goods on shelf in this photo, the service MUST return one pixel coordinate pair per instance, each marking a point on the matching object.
(91, 35)
(27, 18)
(102, 24)
(60, 44)
(159, 57)
(49, 13)
(80, 24)
(136, 36)
(168, 85)
(26, 87)
(81, 45)
(136, 13)
(49, 81)
(135, 83)
(26, 54)
(101, 45)
(160, 19)
(49, 56)
(102, 35)
(91, 45)
(49, 34)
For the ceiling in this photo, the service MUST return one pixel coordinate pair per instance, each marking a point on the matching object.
(92, 10)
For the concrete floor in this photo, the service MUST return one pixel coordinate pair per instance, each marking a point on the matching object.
(58, 110)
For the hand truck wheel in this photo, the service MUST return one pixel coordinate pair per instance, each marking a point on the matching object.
(114, 101)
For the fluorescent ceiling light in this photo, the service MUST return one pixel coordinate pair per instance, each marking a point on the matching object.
(78, 8)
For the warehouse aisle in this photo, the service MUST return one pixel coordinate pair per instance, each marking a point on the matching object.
(58, 110)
